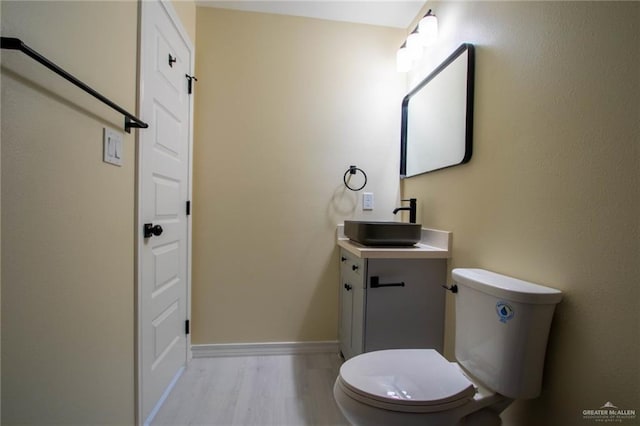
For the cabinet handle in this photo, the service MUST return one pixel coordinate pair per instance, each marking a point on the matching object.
(342, 259)
(348, 287)
(375, 283)
(354, 267)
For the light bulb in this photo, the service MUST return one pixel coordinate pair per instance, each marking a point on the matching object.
(428, 29)
(414, 45)
(403, 60)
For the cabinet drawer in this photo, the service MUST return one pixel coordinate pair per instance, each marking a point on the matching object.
(352, 269)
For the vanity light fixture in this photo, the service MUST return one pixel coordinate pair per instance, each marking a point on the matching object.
(424, 34)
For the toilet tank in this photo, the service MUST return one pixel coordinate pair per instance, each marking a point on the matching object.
(502, 325)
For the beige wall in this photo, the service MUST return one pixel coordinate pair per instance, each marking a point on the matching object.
(186, 11)
(551, 194)
(283, 106)
(67, 217)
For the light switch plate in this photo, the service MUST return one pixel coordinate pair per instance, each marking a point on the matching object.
(367, 201)
(112, 147)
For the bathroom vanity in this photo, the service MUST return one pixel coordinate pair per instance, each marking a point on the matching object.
(392, 298)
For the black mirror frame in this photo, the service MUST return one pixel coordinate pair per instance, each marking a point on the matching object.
(465, 47)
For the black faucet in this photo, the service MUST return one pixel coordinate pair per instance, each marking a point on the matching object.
(411, 208)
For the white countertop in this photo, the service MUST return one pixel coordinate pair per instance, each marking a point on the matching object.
(434, 244)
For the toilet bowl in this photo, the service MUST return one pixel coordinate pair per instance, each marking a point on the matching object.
(412, 387)
(495, 365)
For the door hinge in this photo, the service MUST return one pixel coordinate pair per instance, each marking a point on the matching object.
(186, 327)
(188, 208)
(190, 80)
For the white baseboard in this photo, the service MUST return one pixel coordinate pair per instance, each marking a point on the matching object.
(269, 348)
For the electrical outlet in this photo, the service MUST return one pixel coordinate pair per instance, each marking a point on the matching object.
(367, 201)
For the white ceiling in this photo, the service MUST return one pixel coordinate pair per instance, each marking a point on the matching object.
(389, 13)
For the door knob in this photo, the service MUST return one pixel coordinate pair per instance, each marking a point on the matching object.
(150, 230)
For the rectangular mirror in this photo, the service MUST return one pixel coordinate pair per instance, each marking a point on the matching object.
(437, 117)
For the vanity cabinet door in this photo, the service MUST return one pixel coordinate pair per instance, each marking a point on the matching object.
(352, 301)
(346, 308)
(405, 304)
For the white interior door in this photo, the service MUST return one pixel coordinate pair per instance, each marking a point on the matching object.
(164, 153)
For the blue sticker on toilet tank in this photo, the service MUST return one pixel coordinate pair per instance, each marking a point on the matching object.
(505, 311)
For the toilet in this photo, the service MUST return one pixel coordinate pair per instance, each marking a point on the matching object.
(502, 325)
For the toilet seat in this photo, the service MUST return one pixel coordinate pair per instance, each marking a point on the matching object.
(405, 380)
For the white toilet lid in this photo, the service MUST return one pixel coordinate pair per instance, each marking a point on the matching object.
(416, 380)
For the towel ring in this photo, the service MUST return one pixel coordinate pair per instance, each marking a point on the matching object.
(352, 171)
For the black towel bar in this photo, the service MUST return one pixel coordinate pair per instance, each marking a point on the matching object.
(129, 119)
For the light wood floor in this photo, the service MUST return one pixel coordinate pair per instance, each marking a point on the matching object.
(274, 390)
